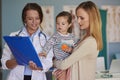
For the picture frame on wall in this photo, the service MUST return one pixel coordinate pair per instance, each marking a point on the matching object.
(48, 20)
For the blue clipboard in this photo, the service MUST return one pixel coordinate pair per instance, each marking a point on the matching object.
(23, 50)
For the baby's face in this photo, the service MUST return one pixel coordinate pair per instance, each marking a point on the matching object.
(62, 25)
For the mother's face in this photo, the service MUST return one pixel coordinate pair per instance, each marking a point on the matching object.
(82, 18)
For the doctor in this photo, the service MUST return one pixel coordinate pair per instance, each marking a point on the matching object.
(32, 17)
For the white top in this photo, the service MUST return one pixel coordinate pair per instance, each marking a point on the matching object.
(18, 72)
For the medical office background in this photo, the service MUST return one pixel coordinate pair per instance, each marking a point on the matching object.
(11, 10)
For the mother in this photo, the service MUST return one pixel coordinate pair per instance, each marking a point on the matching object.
(83, 59)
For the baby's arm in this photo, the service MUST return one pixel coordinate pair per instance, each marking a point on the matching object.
(47, 47)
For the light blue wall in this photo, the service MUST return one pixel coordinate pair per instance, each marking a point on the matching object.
(11, 11)
(114, 48)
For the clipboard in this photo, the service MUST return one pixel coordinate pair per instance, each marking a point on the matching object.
(23, 50)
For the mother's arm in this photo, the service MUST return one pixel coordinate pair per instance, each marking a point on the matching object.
(87, 47)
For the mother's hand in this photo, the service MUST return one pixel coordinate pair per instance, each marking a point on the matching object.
(58, 73)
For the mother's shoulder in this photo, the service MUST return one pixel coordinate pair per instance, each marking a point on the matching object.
(90, 39)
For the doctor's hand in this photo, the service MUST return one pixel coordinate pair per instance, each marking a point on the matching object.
(33, 66)
(11, 63)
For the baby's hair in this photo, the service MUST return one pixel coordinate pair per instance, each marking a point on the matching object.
(68, 16)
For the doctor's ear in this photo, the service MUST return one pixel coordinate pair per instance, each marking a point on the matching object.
(25, 21)
(24, 24)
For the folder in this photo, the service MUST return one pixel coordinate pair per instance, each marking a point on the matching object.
(23, 50)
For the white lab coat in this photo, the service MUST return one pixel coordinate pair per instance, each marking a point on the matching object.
(18, 72)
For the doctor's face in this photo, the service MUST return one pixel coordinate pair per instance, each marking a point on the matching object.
(32, 21)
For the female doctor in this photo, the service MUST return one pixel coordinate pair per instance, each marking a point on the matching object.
(32, 17)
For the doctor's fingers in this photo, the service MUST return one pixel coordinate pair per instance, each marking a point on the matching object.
(32, 65)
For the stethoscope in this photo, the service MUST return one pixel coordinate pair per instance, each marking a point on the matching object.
(39, 35)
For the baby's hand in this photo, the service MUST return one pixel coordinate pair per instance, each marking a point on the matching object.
(64, 47)
(69, 50)
(42, 54)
